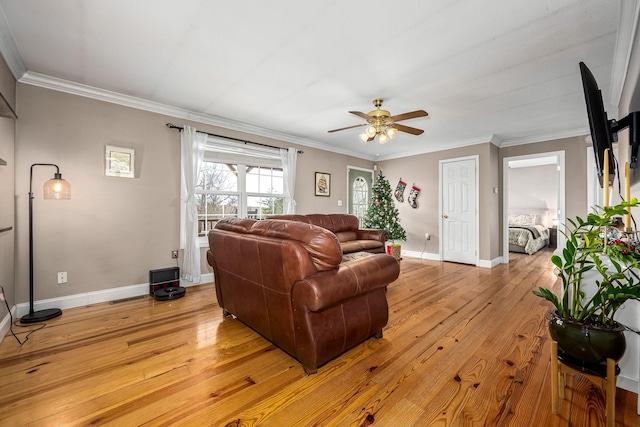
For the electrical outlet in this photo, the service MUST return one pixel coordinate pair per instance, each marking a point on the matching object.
(174, 254)
(62, 277)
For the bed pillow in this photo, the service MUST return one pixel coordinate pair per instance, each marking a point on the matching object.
(522, 219)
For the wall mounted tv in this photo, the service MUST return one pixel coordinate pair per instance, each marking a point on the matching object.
(604, 132)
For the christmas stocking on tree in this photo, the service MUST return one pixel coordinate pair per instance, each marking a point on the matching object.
(399, 193)
(413, 195)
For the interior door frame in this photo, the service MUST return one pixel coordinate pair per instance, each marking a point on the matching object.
(476, 159)
(560, 156)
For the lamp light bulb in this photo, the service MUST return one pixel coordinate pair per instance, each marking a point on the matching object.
(371, 131)
(392, 132)
(57, 188)
(364, 137)
(383, 138)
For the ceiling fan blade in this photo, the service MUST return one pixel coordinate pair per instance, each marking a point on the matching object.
(361, 114)
(348, 127)
(407, 129)
(410, 115)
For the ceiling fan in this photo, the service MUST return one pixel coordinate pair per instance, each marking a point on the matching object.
(382, 123)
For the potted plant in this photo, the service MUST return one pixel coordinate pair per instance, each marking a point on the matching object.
(600, 271)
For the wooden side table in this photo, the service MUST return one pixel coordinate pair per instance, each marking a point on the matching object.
(606, 380)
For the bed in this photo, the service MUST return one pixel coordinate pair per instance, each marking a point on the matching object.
(526, 234)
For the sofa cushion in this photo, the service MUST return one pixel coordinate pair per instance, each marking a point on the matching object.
(345, 236)
(360, 245)
(335, 222)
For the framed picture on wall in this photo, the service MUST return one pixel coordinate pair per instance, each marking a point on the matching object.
(323, 184)
(119, 162)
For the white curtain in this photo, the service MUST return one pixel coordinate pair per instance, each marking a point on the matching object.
(192, 149)
(289, 157)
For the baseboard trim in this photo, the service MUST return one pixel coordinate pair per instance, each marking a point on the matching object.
(87, 298)
(436, 257)
(628, 384)
(5, 325)
(422, 255)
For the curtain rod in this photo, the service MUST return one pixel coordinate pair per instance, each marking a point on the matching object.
(172, 126)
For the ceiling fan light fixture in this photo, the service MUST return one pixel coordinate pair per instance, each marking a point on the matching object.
(382, 124)
(391, 132)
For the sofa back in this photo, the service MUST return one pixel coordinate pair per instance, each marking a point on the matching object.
(344, 226)
(320, 244)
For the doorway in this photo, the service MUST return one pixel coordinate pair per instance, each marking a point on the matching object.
(555, 211)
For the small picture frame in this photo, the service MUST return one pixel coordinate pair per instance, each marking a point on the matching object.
(323, 184)
(119, 162)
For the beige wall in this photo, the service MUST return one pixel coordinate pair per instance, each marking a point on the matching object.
(114, 230)
(575, 168)
(423, 171)
(7, 137)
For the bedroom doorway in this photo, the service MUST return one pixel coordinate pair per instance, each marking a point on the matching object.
(546, 202)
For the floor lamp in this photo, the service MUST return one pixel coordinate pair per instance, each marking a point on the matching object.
(58, 189)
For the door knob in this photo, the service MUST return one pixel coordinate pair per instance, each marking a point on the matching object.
(445, 216)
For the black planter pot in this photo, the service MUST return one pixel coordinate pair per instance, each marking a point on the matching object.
(589, 343)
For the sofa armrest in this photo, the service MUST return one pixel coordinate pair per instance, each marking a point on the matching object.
(352, 278)
(373, 234)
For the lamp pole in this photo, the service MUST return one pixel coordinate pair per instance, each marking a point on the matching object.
(55, 188)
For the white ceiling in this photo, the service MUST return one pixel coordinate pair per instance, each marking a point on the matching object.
(485, 70)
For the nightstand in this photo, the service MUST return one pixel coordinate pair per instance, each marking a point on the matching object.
(553, 237)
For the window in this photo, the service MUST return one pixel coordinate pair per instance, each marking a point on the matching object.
(360, 198)
(237, 190)
(236, 180)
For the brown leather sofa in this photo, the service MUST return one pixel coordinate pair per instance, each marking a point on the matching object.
(346, 228)
(287, 281)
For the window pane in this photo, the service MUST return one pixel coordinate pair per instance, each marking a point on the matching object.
(252, 181)
(253, 207)
(215, 208)
(261, 207)
(264, 180)
(217, 177)
(359, 198)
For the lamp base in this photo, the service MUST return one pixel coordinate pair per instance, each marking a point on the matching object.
(41, 315)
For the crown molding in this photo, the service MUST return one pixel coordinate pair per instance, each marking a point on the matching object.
(546, 137)
(628, 26)
(436, 146)
(9, 50)
(66, 86)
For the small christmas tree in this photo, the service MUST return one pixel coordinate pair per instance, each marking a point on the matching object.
(382, 212)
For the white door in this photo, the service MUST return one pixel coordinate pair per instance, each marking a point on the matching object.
(459, 210)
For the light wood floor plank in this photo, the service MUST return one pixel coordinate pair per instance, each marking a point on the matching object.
(465, 346)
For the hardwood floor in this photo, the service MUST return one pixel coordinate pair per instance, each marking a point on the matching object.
(464, 346)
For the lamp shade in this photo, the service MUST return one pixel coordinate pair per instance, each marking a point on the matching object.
(57, 188)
